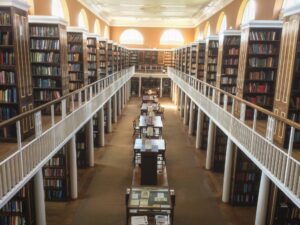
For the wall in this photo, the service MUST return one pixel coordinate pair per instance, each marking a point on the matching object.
(151, 36)
(43, 7)
(266, 10)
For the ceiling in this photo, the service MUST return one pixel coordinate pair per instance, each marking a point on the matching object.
(155, 13)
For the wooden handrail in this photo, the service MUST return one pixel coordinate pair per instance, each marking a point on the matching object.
(53, 102)
(251, 105)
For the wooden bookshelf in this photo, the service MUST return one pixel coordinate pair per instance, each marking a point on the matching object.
(127, 58)
(77, 58)
(93, 58)
(219, 151)
(110, 58)
(168, 59)
(20, 209)
(286, 101)
(188, 59)
(56, 177)
(16, 95)
(48, 53)
(134, 86)
(281, 210)
(103, 64)
(204, 133)
(201, 46)
(245, 180)
(81, 148)
(211, 60)
(177, 59)
(193, 59)
(133, 57)
(228, 60)
(183, 58)
(258, 64)
(115, 54)
(166, 87)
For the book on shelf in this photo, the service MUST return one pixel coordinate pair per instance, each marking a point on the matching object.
(263, 36)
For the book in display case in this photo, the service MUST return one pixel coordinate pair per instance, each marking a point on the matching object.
(258, 64)
(48, 54)
(16, 93)
(77, 57)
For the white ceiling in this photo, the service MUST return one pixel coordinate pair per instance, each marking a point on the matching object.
(155, 13)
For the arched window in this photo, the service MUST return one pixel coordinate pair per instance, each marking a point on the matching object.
(289, 3)
(249, 11)
(222, 23)
(59, 8)
(31, 9)
(106, 32)
(131, 36)
(97, 28)
(199, 36)
(83, 20)
(207, 30)
(172, 37)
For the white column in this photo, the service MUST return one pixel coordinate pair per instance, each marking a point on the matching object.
(185, 114)
(227, 171)
(161, 87)
(73, 168)
(90, 144)
(119, 103)
(128, 90)
(182, 103)
(115, 110)
(102, 127)
(262, 202)
(39, 198)
(109, 116)
(191, 120)
(199, 130)
(140, 86)
(123, 97)
(178, 98)
(210, 144)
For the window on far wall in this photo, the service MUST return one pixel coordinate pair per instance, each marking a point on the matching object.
(131, 37)
(82, 20)
(249, 12)
(57, 9)
(172, 37)
(289, 3)
(223, 24)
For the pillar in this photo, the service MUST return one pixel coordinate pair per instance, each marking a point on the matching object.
(262, 202)
(90, 144)
(73, 168)
(123, 97)
(109, 116)
(115, 110)
(199, 130)
(227, 171)
(210, 143)
(185, 114)
(182, 103)
(178, 98)
(191, 121)
(161, 87)
(119, 103)
(39, 198)
(102, 127)
(140, 86)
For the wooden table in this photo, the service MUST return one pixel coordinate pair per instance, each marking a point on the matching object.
(146, 107)
(149, 98)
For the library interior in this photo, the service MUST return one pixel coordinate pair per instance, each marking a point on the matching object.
(142, 112)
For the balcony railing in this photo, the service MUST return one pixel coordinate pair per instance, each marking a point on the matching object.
(52, 132)
(251, 128)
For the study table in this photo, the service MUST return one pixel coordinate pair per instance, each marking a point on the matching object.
(148, 107)
(149, 98)
(151, 126)
(150, 202)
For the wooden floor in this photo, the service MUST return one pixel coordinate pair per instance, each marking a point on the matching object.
(102, 188)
